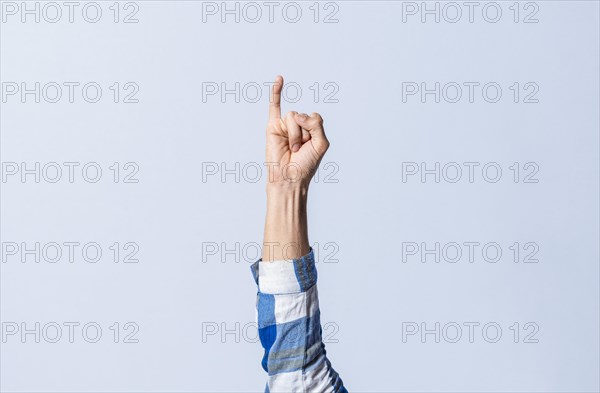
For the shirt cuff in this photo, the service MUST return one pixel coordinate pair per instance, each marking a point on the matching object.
(285, 276)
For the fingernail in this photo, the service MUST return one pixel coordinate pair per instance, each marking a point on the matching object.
(302, 116)
(296, 147)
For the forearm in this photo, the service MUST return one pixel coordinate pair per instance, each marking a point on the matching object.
(286, 226)
(289, 325)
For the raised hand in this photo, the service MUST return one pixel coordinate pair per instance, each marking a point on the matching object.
(296, 143)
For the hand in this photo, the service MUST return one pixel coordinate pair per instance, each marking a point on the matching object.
(295, 144)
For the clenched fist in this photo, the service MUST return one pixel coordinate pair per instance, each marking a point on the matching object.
(296, 144)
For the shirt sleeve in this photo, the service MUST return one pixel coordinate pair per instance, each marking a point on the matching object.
(289, 327)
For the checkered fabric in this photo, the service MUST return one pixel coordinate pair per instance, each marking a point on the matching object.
(289, 327)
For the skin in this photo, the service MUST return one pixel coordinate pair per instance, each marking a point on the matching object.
(296, 144)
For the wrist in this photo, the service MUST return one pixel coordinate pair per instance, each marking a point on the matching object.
(287, 190)
(287, 205)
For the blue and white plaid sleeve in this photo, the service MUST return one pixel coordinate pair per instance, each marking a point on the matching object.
(289, 327)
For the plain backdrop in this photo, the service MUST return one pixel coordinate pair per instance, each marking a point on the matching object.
(191, 305)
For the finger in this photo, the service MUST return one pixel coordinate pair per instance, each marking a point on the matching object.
(275, 103)
(294, 131)
(314, 125)
(283, 126)
(305, 136)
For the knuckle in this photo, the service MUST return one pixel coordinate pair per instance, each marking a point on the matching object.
(317, 117)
